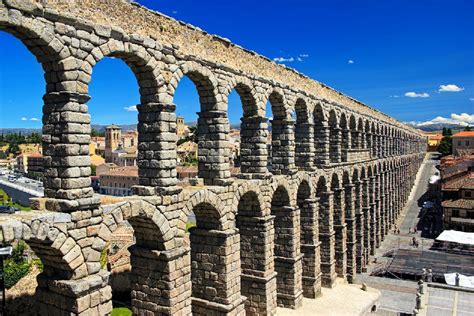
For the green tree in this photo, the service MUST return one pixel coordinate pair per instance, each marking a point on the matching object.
(93, 170)
(445, 131)
(95, 133)
(446, 146)
(467, 128)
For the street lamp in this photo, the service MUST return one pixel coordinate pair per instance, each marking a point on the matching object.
(4, 253)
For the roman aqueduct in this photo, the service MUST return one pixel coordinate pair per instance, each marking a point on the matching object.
(339, 176)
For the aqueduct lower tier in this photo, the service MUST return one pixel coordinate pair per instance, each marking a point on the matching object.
(258, 244)
(338, 178)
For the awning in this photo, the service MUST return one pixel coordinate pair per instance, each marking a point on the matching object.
(457, 237)
(464, 280)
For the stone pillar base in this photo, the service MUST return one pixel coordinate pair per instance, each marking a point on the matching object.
(255, 176)
(329, 275)
(289, 288)
(87, 296)
(311, 270)
(203, 307)
(143, 190)
(312, 286)
(63, 205)
(261, 294)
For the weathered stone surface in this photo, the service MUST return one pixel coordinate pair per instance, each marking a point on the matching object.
(313, 203)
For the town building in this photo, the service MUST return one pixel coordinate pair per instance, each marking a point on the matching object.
(119, 181)
(124, 157)
(187, 151)
(96, 160)
(434, 139)
(112, 140)
(463, 143)
(99, 144)
(457, 175)
(30, 164)
(105, 167)
(117, 144)
(181, 128)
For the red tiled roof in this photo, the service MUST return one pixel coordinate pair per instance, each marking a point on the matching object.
(459, 203)
(464, 134)
(464, 181)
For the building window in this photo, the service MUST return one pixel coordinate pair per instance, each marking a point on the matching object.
(470, 214)
(455, 213)
(467, 193)
(459, 143)
(467, 143)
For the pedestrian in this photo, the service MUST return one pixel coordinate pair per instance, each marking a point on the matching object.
(429, 276)
(423, 274)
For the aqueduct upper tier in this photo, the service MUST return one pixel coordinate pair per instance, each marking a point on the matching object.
(311, 207)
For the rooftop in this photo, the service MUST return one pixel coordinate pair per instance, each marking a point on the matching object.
(129, 171)
(464, 134)
(467, 204)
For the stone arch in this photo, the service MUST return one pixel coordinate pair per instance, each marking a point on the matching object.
(282, 126)
(368, 136)
(212, 123)
(210, 211)
(321, 135)
(242, 189)
(155, 240)
(360, 128)
(347, 184)
(375, 143)
(354, 132)
(345, 137)
(44, 44)
(304, 135)
(252, 128)
(326, 231)
(334, 137)
(204, 80)
(145, 67)
(151, 228)
(309, 229)
(247, 93)
(61, 256)
(256, 247)
(286, 248)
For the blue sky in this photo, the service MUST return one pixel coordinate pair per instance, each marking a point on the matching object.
(413, 60)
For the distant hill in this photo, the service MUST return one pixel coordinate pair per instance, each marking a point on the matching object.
(23, 131)
(434, 127)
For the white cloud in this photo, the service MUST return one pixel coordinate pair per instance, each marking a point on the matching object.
(394, 96)
(283, 59)
(471, 99)
(24, 119)
(460, 119)
(449, 88)
(350, 61)
(132, 108)
(417, 95)
(34, 119)
(463, 117)
(300, 58)
(174, 12)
